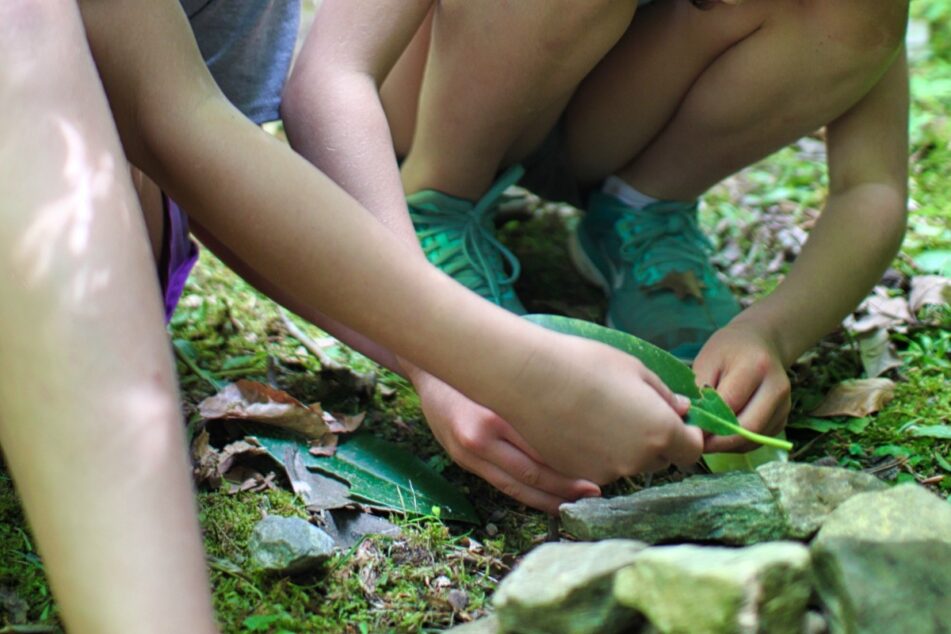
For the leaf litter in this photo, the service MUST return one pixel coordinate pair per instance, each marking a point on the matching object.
(856, 398)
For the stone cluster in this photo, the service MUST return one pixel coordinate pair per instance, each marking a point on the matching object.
(787, 549)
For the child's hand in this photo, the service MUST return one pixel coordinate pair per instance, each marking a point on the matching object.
(744, 364)
(596, 413)
(481, 442)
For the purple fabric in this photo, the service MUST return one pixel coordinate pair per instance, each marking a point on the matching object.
(179, 256)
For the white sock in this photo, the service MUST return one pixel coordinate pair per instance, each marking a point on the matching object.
(614, 186)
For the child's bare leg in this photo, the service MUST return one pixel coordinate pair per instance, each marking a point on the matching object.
(689, 96)
(90, 421)
(290, 223)
(477, 109)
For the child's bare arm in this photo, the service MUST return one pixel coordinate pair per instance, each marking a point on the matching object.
(297, 228)
(335, 118)
(850, 247)
(89, 416)
(332, 106)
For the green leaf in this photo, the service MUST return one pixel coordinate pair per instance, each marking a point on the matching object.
(942, 462)
(708, 411)
(932, 431)
(711, 414)
(671, 370)
(723, 462)
(825, 425)
(381, 474)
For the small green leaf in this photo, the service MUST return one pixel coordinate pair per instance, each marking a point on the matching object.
(712, 415)
(708, 411)
(932, 431)
(381, 474)
(261, 622)
(942, 462)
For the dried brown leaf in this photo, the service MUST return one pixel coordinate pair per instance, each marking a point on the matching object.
(232, 453)
(882, 311)
(325, 446)
(683, 283)
(344, 423)
(253, 401)
(856, 398)
(929, 289)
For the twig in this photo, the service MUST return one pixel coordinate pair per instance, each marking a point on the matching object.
(326, 362)
(804, 448)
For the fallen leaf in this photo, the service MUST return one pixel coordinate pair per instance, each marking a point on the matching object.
(878, 353)
(929, 289)
(253, 401)
(243, 478)
(231, 453)
(318, 492)
(345, 424)
(882, 311)
(211, 466)
(856, 398)
(325, 446)
(349, 526)
(683, 284)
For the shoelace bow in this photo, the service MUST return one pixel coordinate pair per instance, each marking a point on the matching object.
(478, 253)
(663, 233)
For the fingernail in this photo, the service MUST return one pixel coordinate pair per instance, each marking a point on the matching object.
(682, 400)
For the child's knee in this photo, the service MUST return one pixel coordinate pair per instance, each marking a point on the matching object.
(873, 30)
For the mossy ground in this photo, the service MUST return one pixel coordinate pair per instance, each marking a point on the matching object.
(228, 331)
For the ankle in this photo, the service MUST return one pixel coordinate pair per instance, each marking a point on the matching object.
(467, 185)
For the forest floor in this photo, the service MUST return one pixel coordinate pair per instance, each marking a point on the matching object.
(757, 219)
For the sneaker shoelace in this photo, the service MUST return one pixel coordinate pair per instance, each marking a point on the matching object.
(464, 246)
(661, 238)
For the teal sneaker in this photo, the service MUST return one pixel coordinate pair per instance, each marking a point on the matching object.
(458, 237)
(654, 264)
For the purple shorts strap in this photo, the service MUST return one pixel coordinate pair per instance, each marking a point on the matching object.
(179, 254)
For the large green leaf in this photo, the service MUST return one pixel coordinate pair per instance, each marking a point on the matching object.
(671, 370)
(381, 474)
(707, 410)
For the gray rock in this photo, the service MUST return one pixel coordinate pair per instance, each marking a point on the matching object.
(566, 588)
(883, 563)
(691, 589)
(806, 494)
(869, 587)
(732, 508)
(904, 513)
(488, 625)
(289, 545)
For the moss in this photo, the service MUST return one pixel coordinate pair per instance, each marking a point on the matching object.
(24, 592)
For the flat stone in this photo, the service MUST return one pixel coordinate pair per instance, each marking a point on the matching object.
(871, 587)
(566, 588)
(690, 589)
(732, 508)
(908, 512)
(807, 494)
(289, 545)
(487, 625)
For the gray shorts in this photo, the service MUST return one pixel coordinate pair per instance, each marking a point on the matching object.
(248, 46)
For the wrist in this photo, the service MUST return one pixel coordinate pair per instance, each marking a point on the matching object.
(770, 331)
